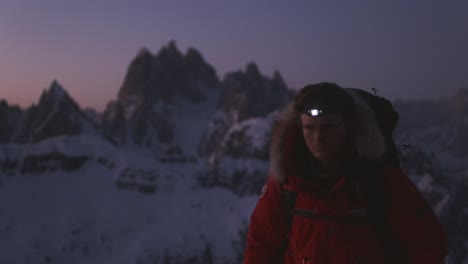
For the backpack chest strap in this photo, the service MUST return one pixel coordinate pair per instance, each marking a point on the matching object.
(354, 216)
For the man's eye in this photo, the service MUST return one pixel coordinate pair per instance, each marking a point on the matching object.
(321, 127)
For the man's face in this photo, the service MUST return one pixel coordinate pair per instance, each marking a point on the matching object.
(324, 135)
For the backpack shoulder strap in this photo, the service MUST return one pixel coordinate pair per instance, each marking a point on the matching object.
(289, 202)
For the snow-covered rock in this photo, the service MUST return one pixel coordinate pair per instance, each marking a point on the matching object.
(165, 100)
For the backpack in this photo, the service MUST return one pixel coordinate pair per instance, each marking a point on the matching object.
(387, 119)
(374, 197)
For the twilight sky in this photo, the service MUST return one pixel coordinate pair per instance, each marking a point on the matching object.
(406, 49)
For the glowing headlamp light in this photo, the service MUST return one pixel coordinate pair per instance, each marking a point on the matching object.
(314, 112)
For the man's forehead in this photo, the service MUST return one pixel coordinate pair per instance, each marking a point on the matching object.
(324, 119)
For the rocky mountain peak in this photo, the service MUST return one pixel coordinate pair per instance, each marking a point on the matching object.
(252, 70)
(199, 69)
(241, 91)
(154, 87)
(56, 114)
(166, 75)
(54, 94)
(57, 90)
(194, 56)
(278, 79)
(170, 53)
(132, 90)
(144, 52)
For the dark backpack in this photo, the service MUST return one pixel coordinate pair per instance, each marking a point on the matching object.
(374, 191)
(387, 119)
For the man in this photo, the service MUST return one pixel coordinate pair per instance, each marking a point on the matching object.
(349, 205)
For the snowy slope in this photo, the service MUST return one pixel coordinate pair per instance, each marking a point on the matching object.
(190, 120)
(85, 217)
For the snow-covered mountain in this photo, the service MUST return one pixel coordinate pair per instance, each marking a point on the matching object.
(170, 172)
(56, 114)
(162, 95)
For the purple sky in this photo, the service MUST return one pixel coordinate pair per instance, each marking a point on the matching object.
(406, 49)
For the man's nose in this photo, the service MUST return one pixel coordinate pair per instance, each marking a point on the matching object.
(319, 134)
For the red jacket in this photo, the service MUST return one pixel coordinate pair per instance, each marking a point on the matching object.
(321, 241)
(410, 221)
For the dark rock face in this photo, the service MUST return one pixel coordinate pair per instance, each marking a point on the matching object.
(239, 131)
(114, 122)
(139, 180)
(39, 164)
(245, 95)
(241, 141)
(144, 127)
(136, 80)
(92, 115)
(140, 114)
(249, 94)
(199, 70)
(168, 74)
(148, 126)
(8, 166)
(240, 162)
(9, 119)
(51, 162)
(211, 143)
(56, 114)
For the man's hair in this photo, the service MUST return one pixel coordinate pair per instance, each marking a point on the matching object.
(328, 97)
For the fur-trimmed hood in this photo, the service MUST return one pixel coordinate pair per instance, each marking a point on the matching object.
(368, 140)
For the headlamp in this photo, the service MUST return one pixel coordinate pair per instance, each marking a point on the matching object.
(314, 112)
